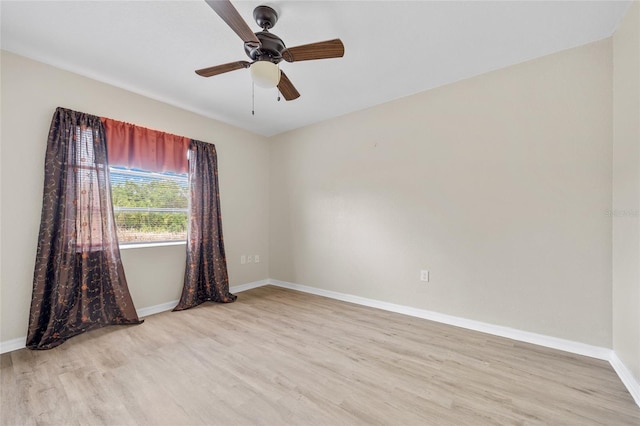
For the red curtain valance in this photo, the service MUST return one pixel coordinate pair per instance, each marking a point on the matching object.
(137, 147)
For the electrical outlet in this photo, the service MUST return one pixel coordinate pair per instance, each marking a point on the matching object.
(249, 259)
(243, 259)
(424, 275)
(256, 258)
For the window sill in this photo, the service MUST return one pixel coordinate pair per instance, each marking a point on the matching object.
(149, 245)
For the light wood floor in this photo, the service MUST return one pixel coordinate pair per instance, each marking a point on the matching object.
(280, 357)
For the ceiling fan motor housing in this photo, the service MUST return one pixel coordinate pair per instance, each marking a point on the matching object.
(270, 49)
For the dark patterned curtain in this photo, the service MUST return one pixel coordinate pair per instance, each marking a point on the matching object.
(206, 272)
(78, 283)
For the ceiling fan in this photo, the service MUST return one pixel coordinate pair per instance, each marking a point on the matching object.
(266, 49)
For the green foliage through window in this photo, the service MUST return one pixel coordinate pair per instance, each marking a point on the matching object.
(149, 207)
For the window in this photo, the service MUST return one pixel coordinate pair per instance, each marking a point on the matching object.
(88, 232)
(149, 207)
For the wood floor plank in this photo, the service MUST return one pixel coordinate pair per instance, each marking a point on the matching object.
(279, 357)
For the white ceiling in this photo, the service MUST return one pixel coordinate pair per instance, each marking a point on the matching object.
(392, 48)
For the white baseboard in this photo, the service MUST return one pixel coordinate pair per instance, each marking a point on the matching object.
(627, 377)
(145, 312)
(248, 286)
(156, 309)
(497, 330)
(578, 348)
(20, 342)
(13, 344)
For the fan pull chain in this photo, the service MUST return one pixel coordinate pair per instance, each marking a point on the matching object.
(277, 88)
(253, 98)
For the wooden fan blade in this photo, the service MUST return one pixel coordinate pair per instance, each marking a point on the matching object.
(287, 88)
(230, 15)
(321, 50)
(221, 69)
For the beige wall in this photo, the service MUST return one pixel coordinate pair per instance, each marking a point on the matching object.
(498, 185)
(30, 93)
(626, 190)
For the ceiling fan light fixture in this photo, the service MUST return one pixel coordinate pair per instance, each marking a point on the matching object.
(265, 74)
